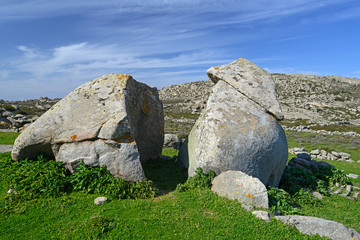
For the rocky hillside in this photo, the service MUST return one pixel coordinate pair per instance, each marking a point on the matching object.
(307, 99)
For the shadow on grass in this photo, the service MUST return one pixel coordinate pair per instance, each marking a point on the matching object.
(165, 174)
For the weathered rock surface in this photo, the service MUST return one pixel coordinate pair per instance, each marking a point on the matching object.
(252, 81)
(113, 121)
(325, 228)
(242, 187)
(172, 141)
(235, 133)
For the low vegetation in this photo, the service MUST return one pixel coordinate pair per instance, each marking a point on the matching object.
(8, 138)
(47, 202)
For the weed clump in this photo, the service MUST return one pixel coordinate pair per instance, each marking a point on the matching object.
(41, 178)
(296, 187)
(200, 180)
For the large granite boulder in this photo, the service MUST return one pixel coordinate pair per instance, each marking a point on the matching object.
(236, 133)
(113, 121)
(242, 187)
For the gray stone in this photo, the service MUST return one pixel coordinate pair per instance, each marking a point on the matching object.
(5, 148)
(113, 121)
(17, 116)
(347, 191)
(172, 141)
(315, 152)
(325, 228)
(317, 195)
(344, 155)
(263, 215)
(252, 81)
(233, 133)
(352, 175)
(7, 114)
(305, 156)
(100, 200)
(4, 123)
(336, 154)
(242, 187)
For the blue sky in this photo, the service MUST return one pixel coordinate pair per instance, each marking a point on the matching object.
(48, 48)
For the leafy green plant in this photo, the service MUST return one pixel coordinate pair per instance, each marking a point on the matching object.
(201, 180)
(99, 180)
(281, 201)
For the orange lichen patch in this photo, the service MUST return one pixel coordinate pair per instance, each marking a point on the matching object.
(121, 94)
(216, 68)
(145, 107)
(122, 77)
(23, 128)
(237, 185)
(249, 195)
(127, 138)
(73, 137)
(234, 191)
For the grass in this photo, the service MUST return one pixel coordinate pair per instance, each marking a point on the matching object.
(8, 138)
(336, 127)
(193, 214)
(311, 141)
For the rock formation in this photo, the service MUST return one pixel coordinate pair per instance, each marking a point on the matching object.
(235, 132)
(113, 121)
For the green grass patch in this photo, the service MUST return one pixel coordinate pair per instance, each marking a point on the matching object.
(340, 128)
(8, 138)
(338, 143)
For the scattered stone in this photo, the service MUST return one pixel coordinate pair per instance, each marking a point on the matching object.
(113, 121)
(242, 187)
(172, 141)
(263, 215)
(315, 152)
(325, 228)
(317, 195)
(347, 191)
(339, 189)
(100, 200)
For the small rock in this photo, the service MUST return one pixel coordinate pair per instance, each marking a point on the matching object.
(352, 175)
(315, 152)
(317, 195)
(11, 191)
(263, 215)
(336, 154)
(100, 200)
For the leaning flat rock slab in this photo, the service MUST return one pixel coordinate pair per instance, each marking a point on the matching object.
(325, 228)
(86, 124)
(234, 133)
(251, 80)
(242, 187)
